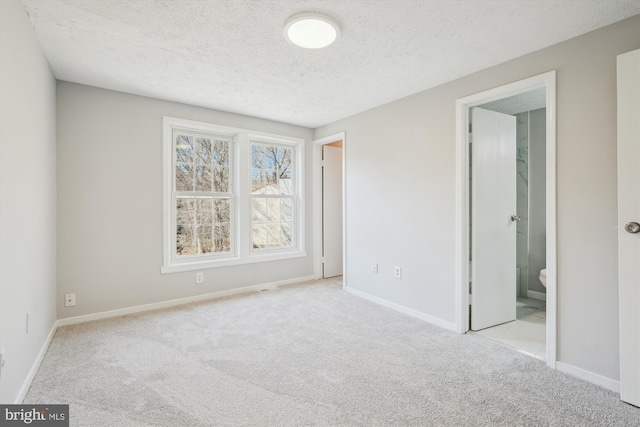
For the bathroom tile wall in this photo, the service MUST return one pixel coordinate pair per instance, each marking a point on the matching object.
(522, 200)
(537, 198)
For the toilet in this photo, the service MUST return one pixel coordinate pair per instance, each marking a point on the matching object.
(543, 277)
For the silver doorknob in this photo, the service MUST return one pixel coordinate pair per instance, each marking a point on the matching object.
(632, 227)
(515, 217)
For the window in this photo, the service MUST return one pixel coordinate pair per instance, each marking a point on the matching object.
(272, 196)
(202, 194)
(231, 196)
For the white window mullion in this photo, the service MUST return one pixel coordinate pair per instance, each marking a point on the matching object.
(243, 213)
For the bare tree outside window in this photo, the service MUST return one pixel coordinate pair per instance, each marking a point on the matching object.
(202, 195)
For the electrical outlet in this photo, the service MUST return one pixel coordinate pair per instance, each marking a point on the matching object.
(200, 277)
(69, 300)
(375, 267)
(397, 272)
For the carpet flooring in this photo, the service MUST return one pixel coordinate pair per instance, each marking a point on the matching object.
(305, 354)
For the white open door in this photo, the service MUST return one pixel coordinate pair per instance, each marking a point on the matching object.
(493, 230)
(332, 211)
(628, 224)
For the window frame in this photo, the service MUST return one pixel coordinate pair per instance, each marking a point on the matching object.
(230, 194)
(240, 187)
(294, 197)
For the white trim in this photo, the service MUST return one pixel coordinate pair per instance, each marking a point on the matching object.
(402, 309)
(594, 378)
(548, 81)
(36, 365)
(551, 222)
(541, 296)
(179, 301)
(317, 203)
(252, 259)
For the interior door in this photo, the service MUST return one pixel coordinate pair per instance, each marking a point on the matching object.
(628, 224)
(493, 230)
(332, 211)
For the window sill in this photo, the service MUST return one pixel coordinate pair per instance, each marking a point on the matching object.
(228, 262)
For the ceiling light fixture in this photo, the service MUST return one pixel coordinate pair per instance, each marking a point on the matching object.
(311, 30)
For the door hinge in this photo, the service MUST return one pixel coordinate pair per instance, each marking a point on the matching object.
(470, 139)
(470, 299)
(322, 163)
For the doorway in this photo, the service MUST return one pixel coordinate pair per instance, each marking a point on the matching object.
(329, 212)
(508, 241)
(483, 279)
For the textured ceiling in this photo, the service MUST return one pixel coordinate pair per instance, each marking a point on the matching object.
(230, 54)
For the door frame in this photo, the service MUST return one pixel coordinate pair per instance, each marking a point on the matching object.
(548, 81)
(317, 203)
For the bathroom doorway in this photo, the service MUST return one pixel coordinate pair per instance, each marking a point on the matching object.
(506, 226)
(514, 189)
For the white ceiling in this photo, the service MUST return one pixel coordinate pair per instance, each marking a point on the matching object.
(231, 55)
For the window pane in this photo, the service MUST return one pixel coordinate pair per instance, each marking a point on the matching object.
(204, 239)
(258, 156)
(285, 234)
(184, 177)
(203, 178)
(185, 218)
(221, 153)
(222, 238)
(271, 182)
(185, 211)
(258, 181)
(285, 185)
(184, 240)
(221, 179)
(273, 235)
(259, 235)
(222, 211)
(184, 149)
(286, 210)
(273, 210)
(259, 209)
(204, 211)
(204, 154)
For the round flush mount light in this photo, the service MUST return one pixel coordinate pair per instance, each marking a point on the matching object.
(311, 30)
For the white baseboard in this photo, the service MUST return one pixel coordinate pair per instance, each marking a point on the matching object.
(36, 364)
(541, 296)
(402, 309)
(179, 301)
(583, 374)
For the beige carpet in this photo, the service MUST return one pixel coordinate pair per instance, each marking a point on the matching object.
(307, 354)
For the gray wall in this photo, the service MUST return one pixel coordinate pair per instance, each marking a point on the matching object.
(401, 192)
(110, 203)
(27, 198)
